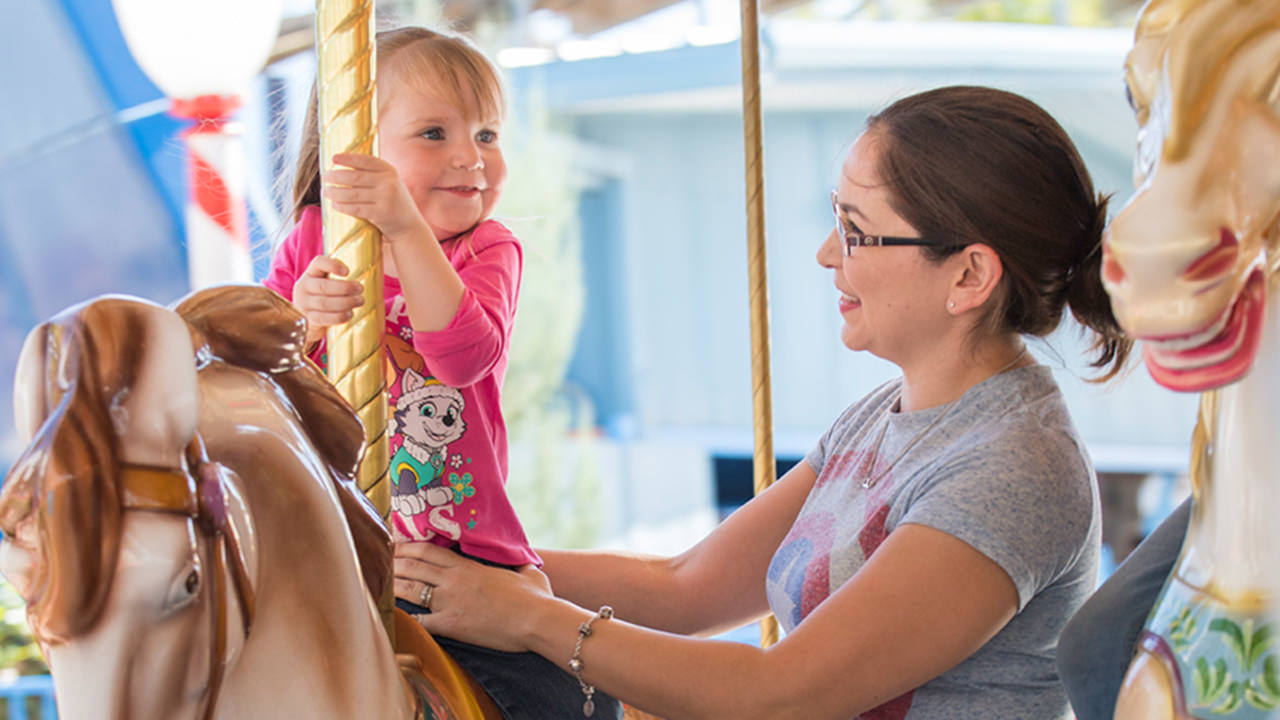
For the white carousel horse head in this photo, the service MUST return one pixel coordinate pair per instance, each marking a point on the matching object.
(1190, 263)
(1188, 260)
(183, 523)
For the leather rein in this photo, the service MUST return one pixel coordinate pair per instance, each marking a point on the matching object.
(197, 491)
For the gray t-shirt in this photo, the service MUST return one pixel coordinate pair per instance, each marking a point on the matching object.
(1005, 471)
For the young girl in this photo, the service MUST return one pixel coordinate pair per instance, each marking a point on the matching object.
(452, 276)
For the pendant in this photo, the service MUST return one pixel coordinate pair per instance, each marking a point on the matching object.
(589, 707)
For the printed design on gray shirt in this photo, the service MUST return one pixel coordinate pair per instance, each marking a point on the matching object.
(1004, 472)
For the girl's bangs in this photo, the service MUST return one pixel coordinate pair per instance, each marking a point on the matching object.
(466, 82)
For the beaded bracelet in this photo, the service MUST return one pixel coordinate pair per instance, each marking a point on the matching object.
(575, 662)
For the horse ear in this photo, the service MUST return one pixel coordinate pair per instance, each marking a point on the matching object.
(255, 328)
(247, 325)
(30, 395)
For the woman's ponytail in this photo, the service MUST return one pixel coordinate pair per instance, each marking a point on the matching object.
(1090, 304)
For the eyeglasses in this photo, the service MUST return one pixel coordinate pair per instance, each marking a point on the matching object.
(853, 237)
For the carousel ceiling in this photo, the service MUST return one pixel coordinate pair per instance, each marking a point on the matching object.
(587, 17)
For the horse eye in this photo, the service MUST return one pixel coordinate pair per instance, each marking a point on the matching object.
(1128, 95)
(184, 590)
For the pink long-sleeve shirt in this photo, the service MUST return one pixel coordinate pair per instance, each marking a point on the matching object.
(448, 441)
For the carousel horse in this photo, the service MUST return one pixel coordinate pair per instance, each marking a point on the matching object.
(184, 526)
(1192, 264)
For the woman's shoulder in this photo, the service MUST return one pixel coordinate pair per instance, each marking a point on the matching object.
(1027, 395)
(1021, 427)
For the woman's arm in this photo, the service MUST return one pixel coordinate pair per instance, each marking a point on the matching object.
(716, 585)
(923, 602)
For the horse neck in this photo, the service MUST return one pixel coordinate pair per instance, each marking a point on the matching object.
(317, 646)
(1232, 537)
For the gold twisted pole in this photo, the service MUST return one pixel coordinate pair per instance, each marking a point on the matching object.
(764, 467)
(348, 123)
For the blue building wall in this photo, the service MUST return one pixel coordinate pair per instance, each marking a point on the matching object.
(665, 243)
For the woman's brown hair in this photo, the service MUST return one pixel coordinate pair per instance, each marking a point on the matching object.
(419, 57)
(978, 165)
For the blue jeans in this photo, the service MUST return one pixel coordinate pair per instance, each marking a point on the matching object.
(1098, 642)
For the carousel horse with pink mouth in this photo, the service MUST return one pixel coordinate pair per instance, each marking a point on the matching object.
(1192, 264)
(184, 526)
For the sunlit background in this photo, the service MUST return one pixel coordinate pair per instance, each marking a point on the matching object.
(628, 395)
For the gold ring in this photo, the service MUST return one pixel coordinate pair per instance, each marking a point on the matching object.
(424, 597)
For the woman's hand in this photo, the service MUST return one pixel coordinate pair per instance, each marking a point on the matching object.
(471, 602)
(369, 188)
(322, 298)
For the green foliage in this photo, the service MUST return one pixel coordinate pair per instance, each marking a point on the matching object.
(1217, 689)
(18, 651)
(540, 205)
(1247, 643)
(1044, 12)
(1270, 680)
(1211, 684)
(1183, 628)
(1264, 692)
(1038, 12)
(553, 479)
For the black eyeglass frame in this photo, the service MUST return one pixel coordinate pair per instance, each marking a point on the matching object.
(852, 238)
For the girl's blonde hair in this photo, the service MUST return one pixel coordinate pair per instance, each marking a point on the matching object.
(416, 57)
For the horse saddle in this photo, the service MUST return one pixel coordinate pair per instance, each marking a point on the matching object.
(452, 694)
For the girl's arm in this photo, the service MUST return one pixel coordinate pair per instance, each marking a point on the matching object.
(304, 276)
(923, 602)
(368, 187)
(461, 321)
(478, 336)
(716, 585)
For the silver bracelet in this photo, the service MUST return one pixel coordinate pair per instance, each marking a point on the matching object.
(575, 662)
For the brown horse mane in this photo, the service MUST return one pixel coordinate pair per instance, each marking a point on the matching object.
(93, 351)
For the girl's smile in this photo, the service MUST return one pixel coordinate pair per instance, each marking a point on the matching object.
(464, 191)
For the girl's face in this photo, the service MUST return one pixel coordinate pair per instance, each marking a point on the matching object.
(449, 159)
(892, 299)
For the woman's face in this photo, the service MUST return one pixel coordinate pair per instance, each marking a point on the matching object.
(892, 299)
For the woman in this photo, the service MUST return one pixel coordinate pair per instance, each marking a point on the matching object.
(925, 555)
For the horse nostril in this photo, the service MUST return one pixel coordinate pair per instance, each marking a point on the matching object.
(1111, 270)
(1218, 261)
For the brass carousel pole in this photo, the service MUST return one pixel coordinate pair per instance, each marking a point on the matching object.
(348, 123)
(764, 466)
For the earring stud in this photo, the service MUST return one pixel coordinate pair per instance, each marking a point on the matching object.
(951, 304)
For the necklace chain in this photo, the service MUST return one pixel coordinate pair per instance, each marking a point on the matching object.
(874, 477)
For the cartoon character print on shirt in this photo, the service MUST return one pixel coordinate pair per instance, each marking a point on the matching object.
(428, 418)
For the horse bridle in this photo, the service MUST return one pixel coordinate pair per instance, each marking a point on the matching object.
(197, 491)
